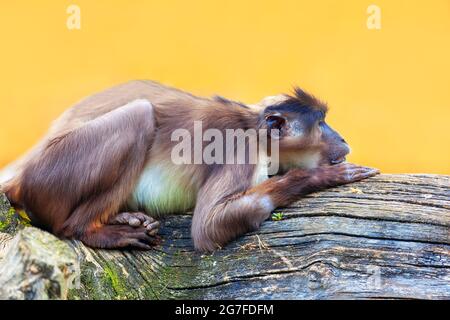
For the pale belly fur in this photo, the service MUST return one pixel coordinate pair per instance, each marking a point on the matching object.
(165, 189)
(162, 190)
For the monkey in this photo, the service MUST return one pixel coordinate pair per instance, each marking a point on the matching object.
(103, 173)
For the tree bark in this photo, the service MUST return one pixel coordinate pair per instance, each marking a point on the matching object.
(386, 237)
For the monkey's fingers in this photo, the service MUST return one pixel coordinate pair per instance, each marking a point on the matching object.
(134, 219)
(138, 238)
(146, 221)
(152, 228)
(135, 243)
(358, 173)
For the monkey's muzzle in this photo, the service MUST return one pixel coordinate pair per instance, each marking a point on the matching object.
(337, 161)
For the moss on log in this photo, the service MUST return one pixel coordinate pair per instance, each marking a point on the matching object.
(386, 237)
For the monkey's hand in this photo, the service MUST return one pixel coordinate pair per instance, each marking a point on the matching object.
(344, 173)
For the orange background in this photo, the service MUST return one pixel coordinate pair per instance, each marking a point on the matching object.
(388, 89)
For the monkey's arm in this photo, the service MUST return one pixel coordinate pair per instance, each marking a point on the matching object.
(220, 217)
(284, 190)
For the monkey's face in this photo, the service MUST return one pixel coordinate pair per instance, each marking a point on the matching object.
(305, 139)
(334, 147)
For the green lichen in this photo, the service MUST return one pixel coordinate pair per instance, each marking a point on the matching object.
(92, 287)
(169, 278)
(115, 281)
(7, 220)
(11, 220)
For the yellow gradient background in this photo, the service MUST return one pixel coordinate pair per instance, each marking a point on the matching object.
(388, 90)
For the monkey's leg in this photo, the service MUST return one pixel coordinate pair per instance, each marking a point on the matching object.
(221, 215)
(84, 177)
(116, 232)
(137, 219)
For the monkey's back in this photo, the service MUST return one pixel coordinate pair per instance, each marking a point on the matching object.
(163, 187)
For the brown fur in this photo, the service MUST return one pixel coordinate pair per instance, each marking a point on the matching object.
(81, 174)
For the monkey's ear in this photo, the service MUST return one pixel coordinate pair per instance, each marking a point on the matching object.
(275, 122)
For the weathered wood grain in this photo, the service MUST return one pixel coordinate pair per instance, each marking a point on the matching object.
(386, 237)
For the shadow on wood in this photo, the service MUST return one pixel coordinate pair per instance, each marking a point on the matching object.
(386, 237)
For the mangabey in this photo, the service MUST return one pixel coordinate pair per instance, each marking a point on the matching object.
(105, 167)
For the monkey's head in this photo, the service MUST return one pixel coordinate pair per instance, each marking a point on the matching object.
(305, 139)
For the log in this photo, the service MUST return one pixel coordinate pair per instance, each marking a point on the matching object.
(385, 237)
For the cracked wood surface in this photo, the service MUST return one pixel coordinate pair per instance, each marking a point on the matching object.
(386, 237)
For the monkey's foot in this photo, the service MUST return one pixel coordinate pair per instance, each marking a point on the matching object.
(137, 219)
(119, 236)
